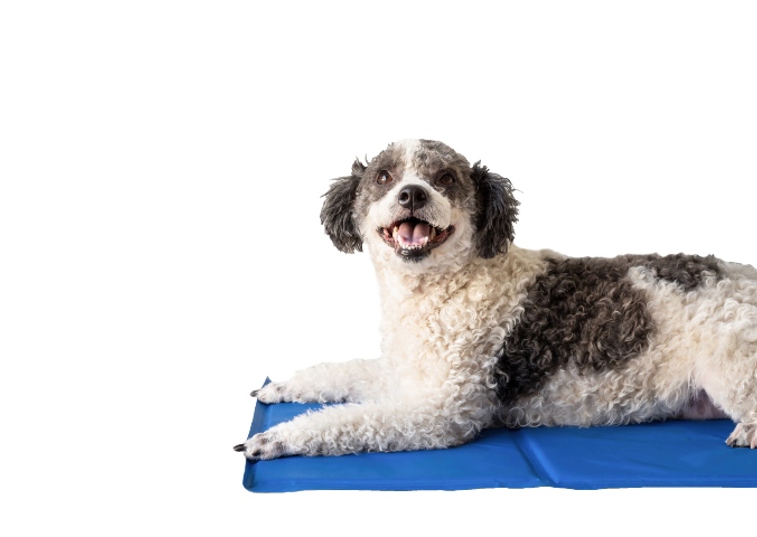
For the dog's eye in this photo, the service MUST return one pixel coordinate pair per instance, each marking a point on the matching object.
(383, 177)
(446, 180)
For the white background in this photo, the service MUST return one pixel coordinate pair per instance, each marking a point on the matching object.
(161, 167)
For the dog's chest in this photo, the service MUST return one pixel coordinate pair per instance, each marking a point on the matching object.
(459, 321)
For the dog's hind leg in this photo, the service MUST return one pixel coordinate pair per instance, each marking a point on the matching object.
(346, 382)
(733, 388)
(745, 434)
(729, 373)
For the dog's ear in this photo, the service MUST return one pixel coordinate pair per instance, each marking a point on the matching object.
(337, 214)
(497, 211)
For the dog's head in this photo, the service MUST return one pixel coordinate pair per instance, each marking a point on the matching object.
(419, 201)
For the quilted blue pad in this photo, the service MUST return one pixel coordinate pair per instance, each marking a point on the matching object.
(669, 454)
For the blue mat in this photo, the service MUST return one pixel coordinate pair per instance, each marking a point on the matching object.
(669, 454)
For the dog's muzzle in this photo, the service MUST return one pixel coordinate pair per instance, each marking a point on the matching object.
(413, 238)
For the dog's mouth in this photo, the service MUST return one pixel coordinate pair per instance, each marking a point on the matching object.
(413, 239)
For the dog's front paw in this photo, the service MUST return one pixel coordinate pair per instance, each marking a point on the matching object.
(262, 447)
(273, 392)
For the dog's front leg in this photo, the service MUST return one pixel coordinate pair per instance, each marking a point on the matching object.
(339, 430)
(346, 382)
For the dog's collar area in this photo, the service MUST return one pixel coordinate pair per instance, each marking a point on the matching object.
(413, 239)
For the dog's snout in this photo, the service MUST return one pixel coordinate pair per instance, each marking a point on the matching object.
(412, 197)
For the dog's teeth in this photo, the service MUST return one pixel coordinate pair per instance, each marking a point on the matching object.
(432, 235)
(395, 232)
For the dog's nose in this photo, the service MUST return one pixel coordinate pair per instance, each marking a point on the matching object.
(412, 197)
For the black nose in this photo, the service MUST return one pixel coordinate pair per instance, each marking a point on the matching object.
(412, 197)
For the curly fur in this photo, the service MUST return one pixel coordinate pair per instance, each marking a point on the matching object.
(337, 216)
(479, 333)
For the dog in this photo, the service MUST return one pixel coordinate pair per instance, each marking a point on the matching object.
(480, 333)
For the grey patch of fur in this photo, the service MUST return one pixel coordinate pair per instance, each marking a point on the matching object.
(688, 271)
(434, 160)
(586, 312)
(391, 160)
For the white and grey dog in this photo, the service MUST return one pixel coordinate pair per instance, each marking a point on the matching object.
(480, 333)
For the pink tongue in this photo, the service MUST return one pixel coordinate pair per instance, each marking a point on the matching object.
(413, 233)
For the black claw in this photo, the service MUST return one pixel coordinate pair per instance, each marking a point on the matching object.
(239, 447)
(254, 393)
